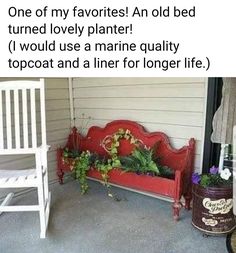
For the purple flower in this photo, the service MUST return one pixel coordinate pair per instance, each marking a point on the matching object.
(214, 170)
(196, 178)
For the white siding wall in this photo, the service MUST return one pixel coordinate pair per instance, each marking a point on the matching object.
(175, 106)
(58, 125)
(58, 118)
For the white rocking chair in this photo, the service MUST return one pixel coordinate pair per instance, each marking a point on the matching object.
(22, 106)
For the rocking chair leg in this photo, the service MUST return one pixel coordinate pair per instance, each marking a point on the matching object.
(7, 200)
(42, 218)
(44, 202)
(42, 222)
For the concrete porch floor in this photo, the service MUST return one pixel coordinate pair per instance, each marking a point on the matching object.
(95, 223)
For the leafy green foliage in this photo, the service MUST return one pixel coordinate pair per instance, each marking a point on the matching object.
(166, 172)
(70, 153)
(214, 180)
(82, 165)
(140, 161)
(104, 165)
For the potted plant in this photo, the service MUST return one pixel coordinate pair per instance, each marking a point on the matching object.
(213, 201)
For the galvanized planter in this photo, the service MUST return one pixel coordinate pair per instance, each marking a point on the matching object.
(213, 209)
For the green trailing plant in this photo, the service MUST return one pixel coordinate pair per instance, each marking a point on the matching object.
(104, 165)
(81, 166)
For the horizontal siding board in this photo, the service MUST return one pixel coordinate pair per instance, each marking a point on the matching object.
(98, 82)
(173, 131)
(57, 135)
(173, 118)
(58, 125)
(58, 104)
(58, 114)
(147, 91)
(58, 143)
(57, 83)
(57, 94)
(159, 104)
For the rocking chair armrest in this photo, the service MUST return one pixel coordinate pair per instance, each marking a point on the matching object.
(46, 148)
(42, 151)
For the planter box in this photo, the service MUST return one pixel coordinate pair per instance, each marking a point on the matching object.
(180, 160)
(144, 183)
(213, 209)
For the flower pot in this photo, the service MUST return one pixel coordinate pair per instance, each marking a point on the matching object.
(213, 209)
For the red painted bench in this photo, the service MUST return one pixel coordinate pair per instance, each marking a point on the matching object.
(180, 160)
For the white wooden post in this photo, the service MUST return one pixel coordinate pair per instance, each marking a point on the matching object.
(8, 116)
(43, 117)
(1, 122)
(222, 156)
(25, 118)
(72, 114)
(17, 118)
(33, 118)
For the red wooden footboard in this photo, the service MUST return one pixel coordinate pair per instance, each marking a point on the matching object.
(181, 160)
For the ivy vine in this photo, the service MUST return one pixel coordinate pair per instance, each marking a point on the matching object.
(111, 144)
(81, 166)
(82, 163)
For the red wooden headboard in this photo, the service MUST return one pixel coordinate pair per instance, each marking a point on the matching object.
(177, 159)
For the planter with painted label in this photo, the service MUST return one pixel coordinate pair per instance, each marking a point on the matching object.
(213, 209)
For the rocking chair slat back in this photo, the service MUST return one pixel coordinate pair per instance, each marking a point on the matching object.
(19, 114)
(17, 118)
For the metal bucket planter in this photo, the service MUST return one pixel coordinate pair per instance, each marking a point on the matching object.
(213, 209)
